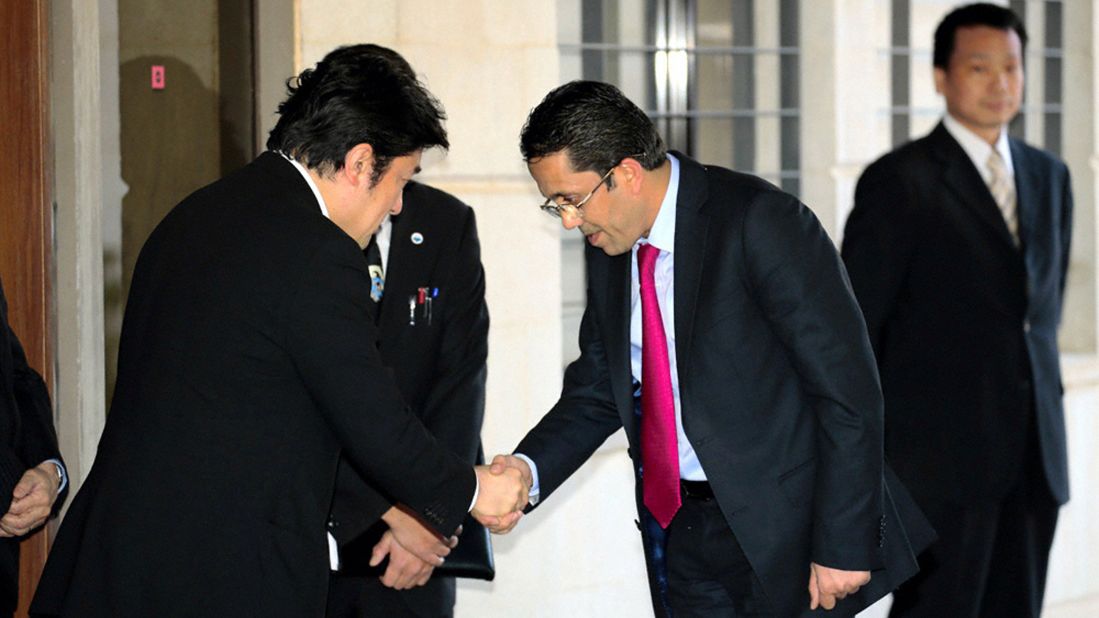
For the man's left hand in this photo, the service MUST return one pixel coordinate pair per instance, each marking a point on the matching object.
(828, 585)
(405, 570)
(32, 500)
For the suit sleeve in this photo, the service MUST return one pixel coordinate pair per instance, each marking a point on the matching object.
(1066, 228)
(583, 418)
(332, 340)
(11, 464)
(878, 243)
(799, 282)
(31, 416)
(39, 440)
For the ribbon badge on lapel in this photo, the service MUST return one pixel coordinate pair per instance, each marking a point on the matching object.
(377, 283)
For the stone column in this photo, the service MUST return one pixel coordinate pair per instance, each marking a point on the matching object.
(78, 195)
(1080, 149)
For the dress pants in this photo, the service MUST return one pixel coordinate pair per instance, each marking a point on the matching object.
(990, 560)
(364, 596)
(708, 573)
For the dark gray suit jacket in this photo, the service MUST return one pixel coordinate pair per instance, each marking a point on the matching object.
(779, 393)
(963, 322)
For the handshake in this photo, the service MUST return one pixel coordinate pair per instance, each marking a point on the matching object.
(414, 550)
(504, 491)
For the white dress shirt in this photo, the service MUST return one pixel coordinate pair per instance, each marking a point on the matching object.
(383, 237)
(662, 236)
(978, 149)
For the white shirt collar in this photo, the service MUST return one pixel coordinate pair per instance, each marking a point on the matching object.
(312, 185)
(383, 237)
(977, 149)
(662, 234)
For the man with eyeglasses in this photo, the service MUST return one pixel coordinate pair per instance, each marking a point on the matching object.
(722, 334)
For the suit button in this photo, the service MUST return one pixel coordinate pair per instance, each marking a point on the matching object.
(1026, 326)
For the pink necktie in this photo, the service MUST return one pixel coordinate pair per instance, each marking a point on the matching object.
(659, 454)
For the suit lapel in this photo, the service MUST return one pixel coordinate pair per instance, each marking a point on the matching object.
(406, 269)
(1027, 181)
(691, 231)
(617, 334)
(964, 181)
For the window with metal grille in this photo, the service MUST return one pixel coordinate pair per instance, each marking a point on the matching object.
(720, 78)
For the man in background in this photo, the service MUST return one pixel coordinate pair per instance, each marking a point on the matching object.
(31, 473)
(437, 346)
(957, 249)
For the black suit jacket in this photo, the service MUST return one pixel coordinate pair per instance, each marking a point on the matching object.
(963, 323)
(247, 364)
(779, 392)
(27, 439)
(440, 363)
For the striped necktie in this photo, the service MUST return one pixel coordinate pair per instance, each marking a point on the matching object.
(1003, 191)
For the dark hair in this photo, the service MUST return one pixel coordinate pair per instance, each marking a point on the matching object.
(357, 94)
(595, 124)
(980, 14)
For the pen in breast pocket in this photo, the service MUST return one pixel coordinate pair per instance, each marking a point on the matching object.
(412, 310)
(429, 304)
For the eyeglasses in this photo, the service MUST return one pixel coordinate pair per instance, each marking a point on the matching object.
(576, 210)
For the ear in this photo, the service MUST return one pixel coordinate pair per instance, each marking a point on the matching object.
(631, 173)
(940, 79)
(358, 164)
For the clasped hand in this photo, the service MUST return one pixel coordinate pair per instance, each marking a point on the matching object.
(32, 500)
(504, 493)
(414, 550)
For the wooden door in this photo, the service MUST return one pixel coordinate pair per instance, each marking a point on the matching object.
(25, 213)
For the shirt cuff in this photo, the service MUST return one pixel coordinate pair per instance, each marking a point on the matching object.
(535, 489)
(333, 553)
(61, 473)
(476, 491)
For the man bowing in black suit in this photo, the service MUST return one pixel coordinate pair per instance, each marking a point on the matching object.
(438, 349)
(721, 333)
(957, 248)
(248, 363)
(428, 298)
(32, 476)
